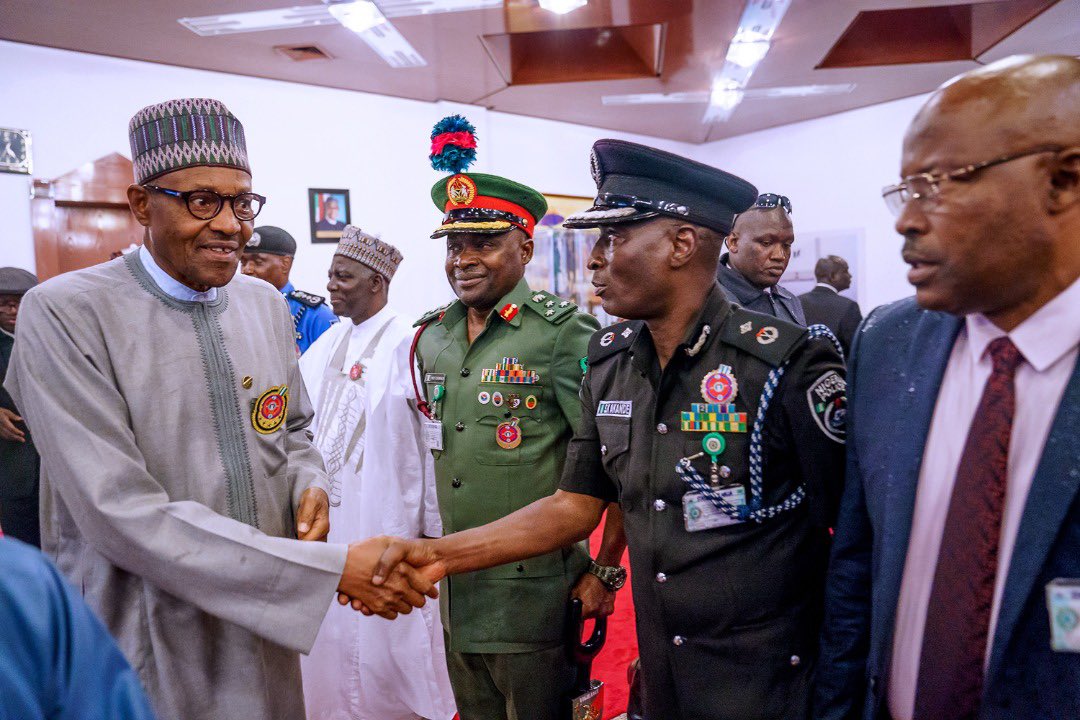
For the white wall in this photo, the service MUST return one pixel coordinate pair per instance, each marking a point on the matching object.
(77, 107)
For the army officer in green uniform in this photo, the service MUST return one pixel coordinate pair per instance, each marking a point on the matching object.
(720, 433)
(501, 368)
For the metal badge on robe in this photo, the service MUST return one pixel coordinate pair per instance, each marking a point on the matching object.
(356, 371)
(508, 434)
(270, 410)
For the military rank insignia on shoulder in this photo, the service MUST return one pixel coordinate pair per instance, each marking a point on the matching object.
(613, 339)
(306, 298)
(763, 336)
(431, 315)
(552, 308)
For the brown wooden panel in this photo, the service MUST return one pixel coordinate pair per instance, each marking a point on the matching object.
(556, 56)
(929, 34)
(88, 236)
(104, 180)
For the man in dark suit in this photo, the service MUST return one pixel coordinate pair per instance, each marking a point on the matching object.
(953, 587)
(759, 250)
(18, 458)
(826, 306)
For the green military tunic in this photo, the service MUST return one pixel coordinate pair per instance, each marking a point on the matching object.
(520, 377)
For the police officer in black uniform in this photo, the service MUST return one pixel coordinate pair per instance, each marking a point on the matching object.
(719, 431)
(268, 256)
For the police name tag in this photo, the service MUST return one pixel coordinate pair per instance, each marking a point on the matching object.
(614, 408)
(432, 430)
(1063, 604)
(700, 514)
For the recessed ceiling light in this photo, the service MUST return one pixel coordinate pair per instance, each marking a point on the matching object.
(561, 7)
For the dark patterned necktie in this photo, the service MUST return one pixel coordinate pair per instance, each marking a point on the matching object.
(958, 616)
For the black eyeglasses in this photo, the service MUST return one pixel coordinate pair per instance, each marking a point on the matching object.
(926, 187)
(771, 200)
(206, 204)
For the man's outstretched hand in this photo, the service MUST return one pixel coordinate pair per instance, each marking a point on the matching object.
(400, 588)
(411, 557)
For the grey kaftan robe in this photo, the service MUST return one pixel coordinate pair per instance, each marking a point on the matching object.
(160, 501)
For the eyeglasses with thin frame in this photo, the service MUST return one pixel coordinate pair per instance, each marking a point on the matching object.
(206, 204)
(926, 187)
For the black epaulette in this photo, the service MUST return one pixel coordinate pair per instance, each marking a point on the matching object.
(552, 308)
(763, 336)
(432, 315)
(306, 298)
(605, 342)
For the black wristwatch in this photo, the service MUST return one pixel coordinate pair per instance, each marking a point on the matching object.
(613, 576)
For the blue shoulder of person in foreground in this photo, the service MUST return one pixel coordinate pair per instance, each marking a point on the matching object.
(57, 660)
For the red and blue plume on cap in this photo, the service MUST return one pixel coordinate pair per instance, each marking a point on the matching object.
(453, 144)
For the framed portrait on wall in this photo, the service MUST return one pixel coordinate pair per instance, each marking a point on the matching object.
(328, 210)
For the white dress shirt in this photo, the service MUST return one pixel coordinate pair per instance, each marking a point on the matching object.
(173, 287)
(1048, 342)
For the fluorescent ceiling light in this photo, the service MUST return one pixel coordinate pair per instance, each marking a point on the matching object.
(359, 16)
(561, 7)
(656, 98)
(280, 19)
(798, 91)
(747, 54)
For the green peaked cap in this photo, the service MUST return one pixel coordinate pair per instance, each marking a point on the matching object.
(486, 204)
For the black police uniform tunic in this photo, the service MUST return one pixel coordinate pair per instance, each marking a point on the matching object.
(727, 618)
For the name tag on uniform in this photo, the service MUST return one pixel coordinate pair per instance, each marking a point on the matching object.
(435, 378)
(1063, 604)
(700, 514)
(432, 431)
(614, 408)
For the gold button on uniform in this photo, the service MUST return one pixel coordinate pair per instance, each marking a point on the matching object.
(246, 382)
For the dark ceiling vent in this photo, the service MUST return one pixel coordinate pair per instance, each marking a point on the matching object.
(300, 53)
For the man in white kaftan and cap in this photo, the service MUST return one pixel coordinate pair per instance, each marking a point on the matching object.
(382, 482)
(178, 476)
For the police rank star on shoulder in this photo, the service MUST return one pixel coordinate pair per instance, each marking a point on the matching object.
(359, 377)
(268, 255)
(178, 470)
(718, 430)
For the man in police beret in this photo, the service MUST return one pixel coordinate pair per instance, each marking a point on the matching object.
(19, 462)
(501, 367)
(268, 256)
(720, 433)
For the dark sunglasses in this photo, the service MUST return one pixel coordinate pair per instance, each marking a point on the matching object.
(771, 200)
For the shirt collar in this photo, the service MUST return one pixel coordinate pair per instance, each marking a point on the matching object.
(745, 291)
(1043, 339)
(375, 320)
(170, 285)
(289, 287)
(827, 286)
(714, 311)
(10, 335)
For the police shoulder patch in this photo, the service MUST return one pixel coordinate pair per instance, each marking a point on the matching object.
(827, 398)
(613, 339)
(552, 308)
(306, 298)
(432, 315)
(763, 336)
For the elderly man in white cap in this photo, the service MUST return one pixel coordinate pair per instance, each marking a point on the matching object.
(358, 374)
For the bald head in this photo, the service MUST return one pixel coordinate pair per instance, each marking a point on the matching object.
(1017, 216)
(1021, 100)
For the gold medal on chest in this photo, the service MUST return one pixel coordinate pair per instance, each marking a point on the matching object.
(508, 434)
(270, 410)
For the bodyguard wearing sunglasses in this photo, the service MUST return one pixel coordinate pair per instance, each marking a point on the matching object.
(178, 477)
(759, 249)
(953, 582)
